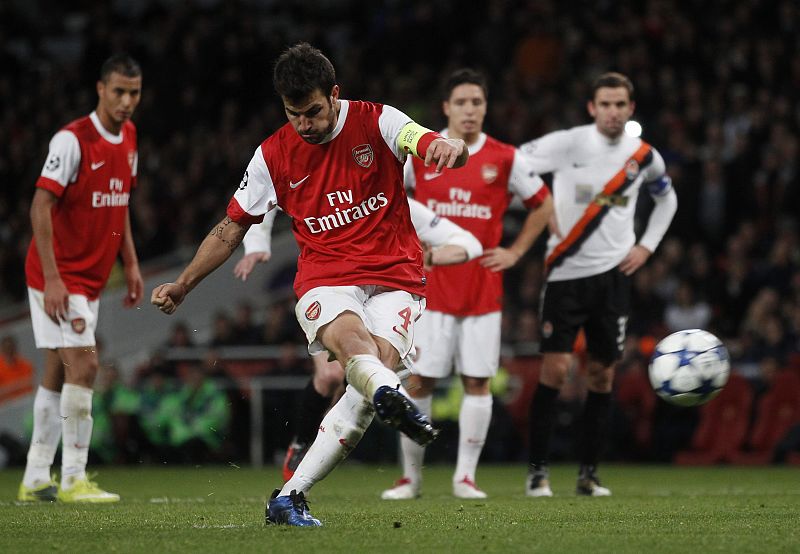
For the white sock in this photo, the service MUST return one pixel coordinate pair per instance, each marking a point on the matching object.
(473, 425)
(366, 373)
(76, 411)
(412, 454)
(46, 435)
(339, 433)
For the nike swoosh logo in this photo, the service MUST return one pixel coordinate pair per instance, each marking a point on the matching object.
(98, 165)
(577, 165)
(429, 176)
(298, 183)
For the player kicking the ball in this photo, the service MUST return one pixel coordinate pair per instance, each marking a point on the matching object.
(444, 243)
(336, 170)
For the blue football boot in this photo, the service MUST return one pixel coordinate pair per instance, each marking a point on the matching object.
(290, 510)
(396, 410)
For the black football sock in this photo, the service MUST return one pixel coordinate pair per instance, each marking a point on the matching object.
(596, 416)
(541, 416)
(310, 412)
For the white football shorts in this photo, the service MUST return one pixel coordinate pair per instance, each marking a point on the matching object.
(78, 330)
(470, 345)
(387, 313)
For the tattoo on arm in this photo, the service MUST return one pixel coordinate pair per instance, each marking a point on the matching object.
(233, 242)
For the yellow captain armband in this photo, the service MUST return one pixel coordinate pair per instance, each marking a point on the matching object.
(415, 138)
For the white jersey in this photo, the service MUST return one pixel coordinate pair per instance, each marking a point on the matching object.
(596, 182)
(430, 228)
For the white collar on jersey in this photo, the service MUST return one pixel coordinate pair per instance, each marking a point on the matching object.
(345, 107)
(473, 148)
(603, 139)
(113, 139)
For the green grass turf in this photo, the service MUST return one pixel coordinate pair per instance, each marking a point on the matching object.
(220, 509)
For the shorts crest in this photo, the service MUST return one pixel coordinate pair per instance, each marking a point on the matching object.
(78, 325)
(313, 311)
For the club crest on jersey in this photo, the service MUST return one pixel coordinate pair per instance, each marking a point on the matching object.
(363, 155)
(631, 169)
(489, 173)
(313, 311)
(78, 325)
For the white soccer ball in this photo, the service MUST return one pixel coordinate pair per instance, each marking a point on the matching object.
(689, 368)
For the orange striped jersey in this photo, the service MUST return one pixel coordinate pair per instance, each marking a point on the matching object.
(596, 182)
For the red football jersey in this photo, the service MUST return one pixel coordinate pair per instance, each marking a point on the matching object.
(346, 198)
(92, 172)
(474, 197)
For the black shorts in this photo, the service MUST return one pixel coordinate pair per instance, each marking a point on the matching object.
(599, 304)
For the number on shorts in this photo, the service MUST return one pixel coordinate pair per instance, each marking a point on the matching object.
(405, 313)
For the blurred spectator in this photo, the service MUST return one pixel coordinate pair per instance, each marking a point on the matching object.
(222, 333)
(196, 417)
(685, 312)
(114, 407)
(155, 384)
(16, 372)
(179, 336)
(244, 330)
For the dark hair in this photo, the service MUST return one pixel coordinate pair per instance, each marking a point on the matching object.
(612, 79)
(122, 64)
(301, 70)
(462, 76)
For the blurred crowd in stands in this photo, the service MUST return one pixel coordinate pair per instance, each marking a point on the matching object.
(716, 89)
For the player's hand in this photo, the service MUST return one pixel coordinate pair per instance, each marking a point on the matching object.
(444, 153)
(499, 259)
(634, 260)
(168, 297)
(56, 300)
(133, 278)
(245, 266)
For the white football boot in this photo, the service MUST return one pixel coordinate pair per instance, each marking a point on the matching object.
(403, 489)
(466, 488)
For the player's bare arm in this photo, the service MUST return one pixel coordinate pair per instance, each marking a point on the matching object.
(56, 296)
(217, 247)
(499, 259)
(130, 261)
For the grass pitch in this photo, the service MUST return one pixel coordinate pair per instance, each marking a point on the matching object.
(221, 509)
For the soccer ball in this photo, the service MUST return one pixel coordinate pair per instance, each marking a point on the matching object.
(689, 368)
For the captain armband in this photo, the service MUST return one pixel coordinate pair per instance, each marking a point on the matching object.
(660, 186)
(415, 138)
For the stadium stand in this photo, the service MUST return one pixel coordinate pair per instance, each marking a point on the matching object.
(715, 93)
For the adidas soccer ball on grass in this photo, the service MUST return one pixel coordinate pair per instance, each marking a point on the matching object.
(689, 368)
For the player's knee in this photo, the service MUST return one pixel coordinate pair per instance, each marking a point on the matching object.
(476, 386)
(420, 387)
(81, 367)
(600, 376)
(554, 370)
